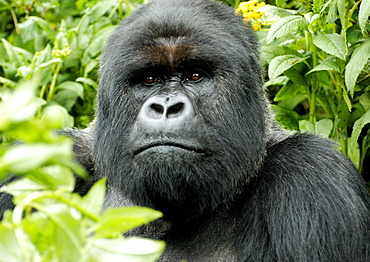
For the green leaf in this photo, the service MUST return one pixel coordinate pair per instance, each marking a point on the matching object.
(288, 91)
(12, 54)
(333, 44)
(326, 65)
(129, 250)
(365, 101)
(357, 62)
(363, 15)
(26, 157)
(323, 127)
(96, 46)
(343, 9)
(270, 52)
(286, 26)
(118, 220)
(88, 81)
(15, 245)
(358, 125)
(276, 11)
(73, 87)
(307, 126)
(287, 118)
(66, 99)
(94, 199)
(280, 64)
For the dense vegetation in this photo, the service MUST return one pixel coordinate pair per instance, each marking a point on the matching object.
(316, 55)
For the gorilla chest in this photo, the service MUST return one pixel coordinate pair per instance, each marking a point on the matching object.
(200, 241)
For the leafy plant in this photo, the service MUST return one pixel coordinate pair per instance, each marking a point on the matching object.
(318, 70)
(64, 48)
(49, 221)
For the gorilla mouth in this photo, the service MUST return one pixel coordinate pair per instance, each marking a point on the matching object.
(189, 148)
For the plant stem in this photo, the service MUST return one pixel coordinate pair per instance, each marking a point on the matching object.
(53, 82)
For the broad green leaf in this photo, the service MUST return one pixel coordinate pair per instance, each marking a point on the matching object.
(358, 60)
(26, 157)
(73, 87)
(343, 10)
(270, 52)
(88, 81)
(365, 101)
(118, 220)
(15, 245)
(288, 91)
(28, 30)
(45, 26)
(66, 99)
(326, 65)
(12, 54)
(280, 64)
(96, 46)
(323, 127)
(358, 125)
(307, 126)
(94, 199)
(129, 250)
(275, 11)
(286, 26)
(333, 44)
(363, 15)
(285, 117)
(353, 151)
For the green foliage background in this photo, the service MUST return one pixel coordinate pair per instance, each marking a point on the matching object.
(316, 54)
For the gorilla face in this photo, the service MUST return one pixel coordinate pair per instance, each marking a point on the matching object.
(180, 124)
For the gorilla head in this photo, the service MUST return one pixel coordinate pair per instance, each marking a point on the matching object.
(182, 119)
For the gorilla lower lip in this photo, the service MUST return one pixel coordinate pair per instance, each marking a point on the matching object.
(172, 145)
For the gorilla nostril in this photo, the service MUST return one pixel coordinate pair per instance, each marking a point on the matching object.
(157, 108)
(175, 109)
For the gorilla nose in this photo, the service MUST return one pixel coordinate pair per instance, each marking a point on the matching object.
(168, 109)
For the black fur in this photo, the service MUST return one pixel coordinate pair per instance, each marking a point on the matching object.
(232, 186)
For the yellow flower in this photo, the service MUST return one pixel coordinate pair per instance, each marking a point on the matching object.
(256, 27)
(250, 12)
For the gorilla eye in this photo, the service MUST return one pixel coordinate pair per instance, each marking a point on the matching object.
(151, 80)
(195, 76)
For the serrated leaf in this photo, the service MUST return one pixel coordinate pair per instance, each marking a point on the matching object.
(333, 44)
(365, 101)
(363, 15)
(357, 62)
(270, 52)
(326, 65)
(285, 26)
(280, 64)
(276, 11)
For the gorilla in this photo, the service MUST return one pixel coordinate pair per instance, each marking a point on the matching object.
(183, 126)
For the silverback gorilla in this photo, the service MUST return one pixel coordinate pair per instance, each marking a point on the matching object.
(183, 126)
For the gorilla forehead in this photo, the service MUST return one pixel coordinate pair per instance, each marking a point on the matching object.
(160, 34)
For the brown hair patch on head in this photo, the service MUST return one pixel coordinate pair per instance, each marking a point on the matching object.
(169, 54)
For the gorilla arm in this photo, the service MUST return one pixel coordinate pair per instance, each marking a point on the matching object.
(303, 187)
